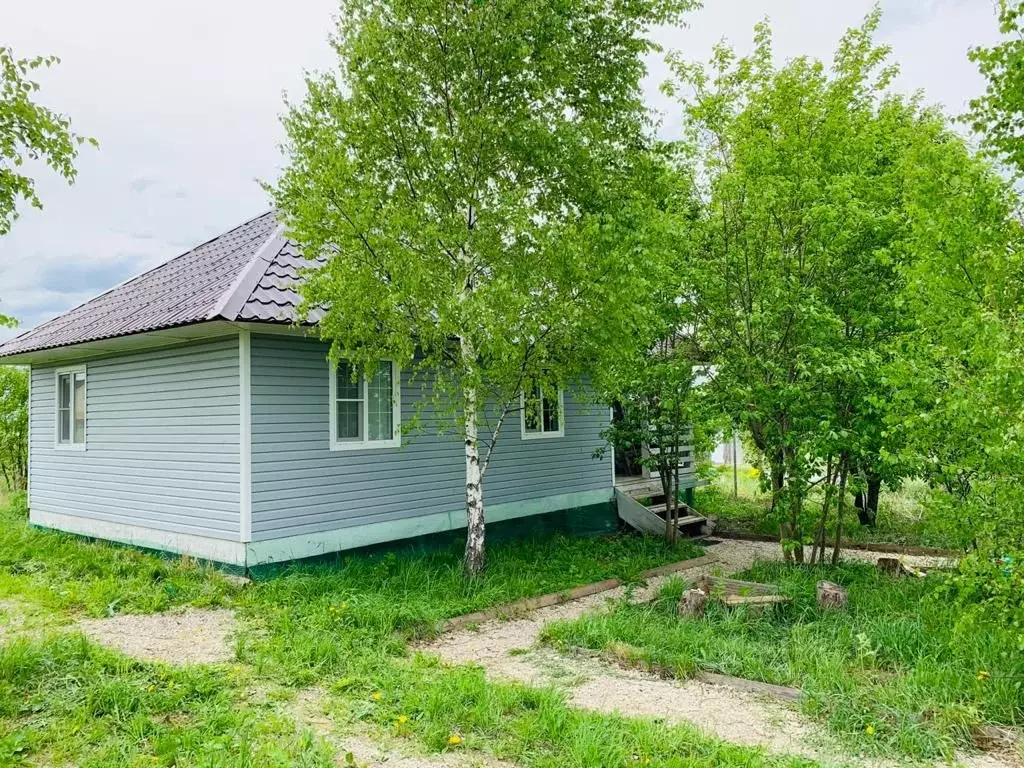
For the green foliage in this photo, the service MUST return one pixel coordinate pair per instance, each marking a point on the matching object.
(999, 113)
(28, 132)
(989, 589)
(477, 176)
(14, 427)
(827, 201)
(899, 660)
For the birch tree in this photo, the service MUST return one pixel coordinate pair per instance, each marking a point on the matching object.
(477, 174)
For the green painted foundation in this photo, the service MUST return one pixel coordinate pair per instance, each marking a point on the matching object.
(591, 520)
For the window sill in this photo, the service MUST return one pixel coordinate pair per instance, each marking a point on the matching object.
(366, 445)
(543, 435)
(69, 446)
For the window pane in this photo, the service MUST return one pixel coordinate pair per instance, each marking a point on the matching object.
(64, 408)
(551, 415)
(532, 415)
(79, 409)
(349, 420)
(379, 403)
(348, 388)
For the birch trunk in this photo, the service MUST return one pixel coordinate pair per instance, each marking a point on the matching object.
(476, 553)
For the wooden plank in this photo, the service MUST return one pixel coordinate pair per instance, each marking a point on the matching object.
(664, 570)
(752, 686)
(556, 598)
(736, 600)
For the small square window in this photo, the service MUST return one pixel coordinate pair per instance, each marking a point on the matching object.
(365, 413)
(71, 408)
(543, 413)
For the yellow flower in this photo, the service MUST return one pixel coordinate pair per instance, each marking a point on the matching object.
(403, 719)
(870, 730)
(377, 696)
(454, 739)
(983, 674)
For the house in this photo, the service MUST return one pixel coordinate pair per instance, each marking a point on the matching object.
(184, 411)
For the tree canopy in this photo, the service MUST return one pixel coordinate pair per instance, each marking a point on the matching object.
(478, 176)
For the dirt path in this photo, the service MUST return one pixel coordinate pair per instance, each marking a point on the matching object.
(509, 651)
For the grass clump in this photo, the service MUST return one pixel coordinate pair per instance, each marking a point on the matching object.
(67, 574)
(893, 673)
(64, 701)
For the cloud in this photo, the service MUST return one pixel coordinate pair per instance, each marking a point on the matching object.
(141, 184)
(182, 138)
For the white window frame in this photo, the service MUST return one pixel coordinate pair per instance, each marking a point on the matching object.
(71, 445)
(365, 444)
(542, 435)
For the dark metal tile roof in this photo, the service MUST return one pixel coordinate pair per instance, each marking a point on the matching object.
(275, 297)
(249, 273)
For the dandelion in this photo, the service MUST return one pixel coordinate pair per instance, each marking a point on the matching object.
(983, 674)
(377, 696)
(870, 730)
(403, 719)
(454, 739)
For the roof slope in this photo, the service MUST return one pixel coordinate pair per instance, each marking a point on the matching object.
(249, 273)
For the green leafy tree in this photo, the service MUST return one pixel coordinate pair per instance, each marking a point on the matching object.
(998, 114)
(798, 294)
(476, 174)
(29, 132)
(14, 427)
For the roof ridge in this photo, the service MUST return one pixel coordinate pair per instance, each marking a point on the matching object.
(233, 299)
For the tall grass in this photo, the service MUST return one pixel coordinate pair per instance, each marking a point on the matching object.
(891, 673)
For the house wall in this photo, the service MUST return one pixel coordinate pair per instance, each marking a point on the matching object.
(162, 447)
(301, 487)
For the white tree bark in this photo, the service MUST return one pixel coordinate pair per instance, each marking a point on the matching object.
(476, 553)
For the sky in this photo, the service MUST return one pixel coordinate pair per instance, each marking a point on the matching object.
(185, 99)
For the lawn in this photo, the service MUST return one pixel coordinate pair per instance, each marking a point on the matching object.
(894, 673)
(345, 630)
(904, 516)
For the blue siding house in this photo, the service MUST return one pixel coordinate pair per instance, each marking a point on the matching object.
(185, 411)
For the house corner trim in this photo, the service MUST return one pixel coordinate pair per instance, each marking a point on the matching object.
(245, 436)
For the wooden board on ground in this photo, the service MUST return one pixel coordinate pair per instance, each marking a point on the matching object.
(734, 592)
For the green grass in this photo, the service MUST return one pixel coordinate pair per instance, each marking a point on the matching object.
(63, 574)
(345, 629)
(892, 673)
(904, 516)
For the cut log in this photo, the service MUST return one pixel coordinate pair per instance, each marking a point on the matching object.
(831, 596)
(890, 566)
(693, 604)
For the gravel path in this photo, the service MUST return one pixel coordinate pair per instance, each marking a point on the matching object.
(508, 650)
(176, 637)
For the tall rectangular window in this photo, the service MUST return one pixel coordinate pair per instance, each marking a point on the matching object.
(542, 412)
(71, 403)
(365, 412)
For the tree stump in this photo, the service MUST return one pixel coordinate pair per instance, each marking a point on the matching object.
(693, 603)
(831, 596)
(890, 566)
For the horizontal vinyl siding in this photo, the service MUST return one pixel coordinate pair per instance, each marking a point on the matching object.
(162, 442)
(300, 486)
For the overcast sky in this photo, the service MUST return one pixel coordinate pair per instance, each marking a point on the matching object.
(184, 98)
